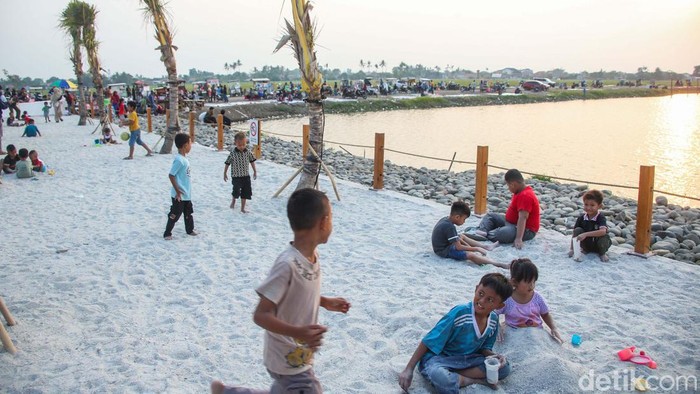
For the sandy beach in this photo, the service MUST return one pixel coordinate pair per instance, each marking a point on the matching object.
(104, 304)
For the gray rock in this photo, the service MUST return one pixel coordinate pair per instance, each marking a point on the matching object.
(661, 200)
(688, 244)
(664, 245)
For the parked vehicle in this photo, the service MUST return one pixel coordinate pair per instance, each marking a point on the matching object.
(535, 86)
(546, 81)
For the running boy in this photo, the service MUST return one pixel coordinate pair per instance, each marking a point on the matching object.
(447, 243)
(591, 228)
(290, 297)
(452, 354)
(240, 175)
(132, 121)
(181, 192)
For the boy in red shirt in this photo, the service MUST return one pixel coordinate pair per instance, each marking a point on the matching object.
(522, 219)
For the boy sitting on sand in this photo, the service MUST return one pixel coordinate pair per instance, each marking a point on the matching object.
(24, 166)
(452, 354)
(289, 301)
(591, 228)
(447, 243)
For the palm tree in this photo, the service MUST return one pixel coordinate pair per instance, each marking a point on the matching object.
(156, 12)
(72, 24)
(382, 64)
(91, 45)
(301, 38)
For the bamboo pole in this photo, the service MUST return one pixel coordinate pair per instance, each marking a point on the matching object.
(452, 162)
(288, 182)
(328, 172)
(6, 341)
(378, 179)
(109, 111)
(192, 114)
(6, 313)
(644, 209)
(482, 175)
(257, 151)
(306, 129)
(150, 121)
(220, 132)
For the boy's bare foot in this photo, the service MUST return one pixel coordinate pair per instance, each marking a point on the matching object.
(244, 211)
(492, 246)
(168, 238)
(193, 233)
(217, 387)
(571, 253)
(128, 158)
(149, 154)
(604, 258)
(465, 381)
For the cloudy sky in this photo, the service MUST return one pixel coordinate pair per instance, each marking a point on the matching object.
(539, 34)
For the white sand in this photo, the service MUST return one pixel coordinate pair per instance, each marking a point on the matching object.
(122, 310)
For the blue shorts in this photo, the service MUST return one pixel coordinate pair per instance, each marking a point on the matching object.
(135, 138)
(457, 254)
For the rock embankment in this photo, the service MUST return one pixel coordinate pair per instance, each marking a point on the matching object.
(675, 229)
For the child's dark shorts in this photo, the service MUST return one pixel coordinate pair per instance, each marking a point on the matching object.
(242, 187)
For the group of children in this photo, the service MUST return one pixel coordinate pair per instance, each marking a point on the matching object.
(453, 353)
(23, 163)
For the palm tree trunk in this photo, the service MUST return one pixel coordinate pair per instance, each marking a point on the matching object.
(309, 177)
(96, 79)
(173, 126)
(78, 66)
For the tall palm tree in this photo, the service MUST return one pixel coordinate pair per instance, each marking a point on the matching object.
(72, 24)
(91, 45)
(155, 11)
(301, 37)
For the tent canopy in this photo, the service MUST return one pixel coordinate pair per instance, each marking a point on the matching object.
(64, 84)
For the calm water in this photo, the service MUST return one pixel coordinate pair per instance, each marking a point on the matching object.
(597, 140)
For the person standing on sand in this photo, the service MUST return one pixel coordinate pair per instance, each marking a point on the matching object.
(181, 193)
(522, 219)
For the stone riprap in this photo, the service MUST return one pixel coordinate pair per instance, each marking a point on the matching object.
(675, 229)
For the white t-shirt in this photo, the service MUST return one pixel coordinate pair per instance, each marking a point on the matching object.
(294, 285)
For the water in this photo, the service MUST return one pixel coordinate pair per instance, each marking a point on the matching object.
(597, 140)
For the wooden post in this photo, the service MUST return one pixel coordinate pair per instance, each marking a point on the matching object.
(644, 209)
(6, 313)
(257, 151)
(378, 179)
(109, 111)
(192, 126)
(167, 118)
(220, 134)
(305, 141)
(6, 341)
(482, 176)
(150, 121)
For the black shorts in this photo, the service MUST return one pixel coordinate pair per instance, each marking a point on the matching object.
(242, 187)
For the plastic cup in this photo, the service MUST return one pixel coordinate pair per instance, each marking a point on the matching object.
(97, 141)
(576, 339)
(492, 365)
(577, 249)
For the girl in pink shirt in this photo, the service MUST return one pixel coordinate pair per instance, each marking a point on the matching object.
(526, 307)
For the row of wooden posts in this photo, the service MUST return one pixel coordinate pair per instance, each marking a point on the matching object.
(644, 201)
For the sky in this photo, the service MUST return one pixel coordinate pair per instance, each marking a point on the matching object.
(541, 35)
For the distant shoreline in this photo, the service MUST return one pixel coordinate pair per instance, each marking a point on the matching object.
(274, 109)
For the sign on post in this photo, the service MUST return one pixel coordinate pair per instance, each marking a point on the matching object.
(254, 132)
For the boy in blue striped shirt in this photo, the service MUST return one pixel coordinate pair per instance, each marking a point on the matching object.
(452, 354)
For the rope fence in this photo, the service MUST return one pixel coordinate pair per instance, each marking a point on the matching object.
(194, 121)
